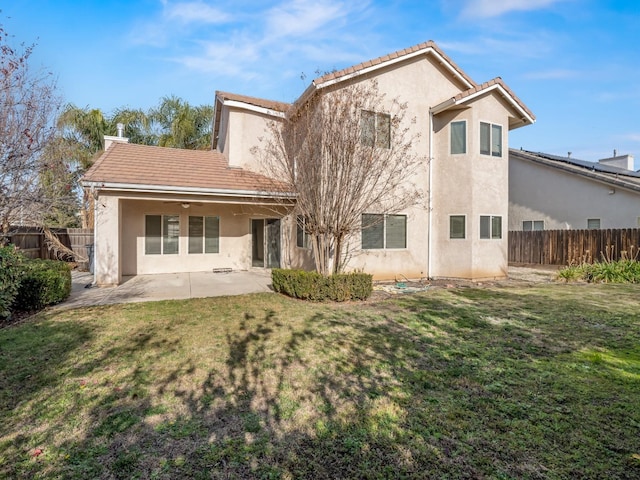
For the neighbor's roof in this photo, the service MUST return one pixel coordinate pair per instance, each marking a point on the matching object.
(615, 176)
(255, 101)
(133, 166)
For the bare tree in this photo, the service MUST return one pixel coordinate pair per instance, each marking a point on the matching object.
(344, 152)
(28, 105)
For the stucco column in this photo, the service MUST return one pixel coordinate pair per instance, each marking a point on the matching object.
(107, 241)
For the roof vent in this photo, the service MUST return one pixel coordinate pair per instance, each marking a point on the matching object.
(120, 128)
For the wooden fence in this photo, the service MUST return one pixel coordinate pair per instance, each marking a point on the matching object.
(32, 242)
(563, 247)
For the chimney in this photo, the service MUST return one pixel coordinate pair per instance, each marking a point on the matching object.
(625, 162)
(110, 139)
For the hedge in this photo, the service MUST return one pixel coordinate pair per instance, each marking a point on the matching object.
(315, 287)
(11, 264)
(44, 282)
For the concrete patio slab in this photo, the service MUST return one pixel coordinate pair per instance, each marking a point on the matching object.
(170, 286)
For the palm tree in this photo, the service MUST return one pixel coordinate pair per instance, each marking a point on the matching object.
(182, 126)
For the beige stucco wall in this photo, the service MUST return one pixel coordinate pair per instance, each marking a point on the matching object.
(470, 184)
(565, 201)
(120, 242)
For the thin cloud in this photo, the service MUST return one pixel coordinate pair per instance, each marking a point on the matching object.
(495, 8)
(555, 74)
(194, 12)
(303, 17)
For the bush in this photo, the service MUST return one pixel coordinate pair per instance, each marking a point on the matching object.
(11, 262)
(44, 282)
(621, 271)
(315, 287)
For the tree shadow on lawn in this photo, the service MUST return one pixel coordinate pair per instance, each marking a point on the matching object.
(413, 387)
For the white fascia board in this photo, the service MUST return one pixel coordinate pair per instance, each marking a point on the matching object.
(452, 101)
(253, 108)
(392, 61)
(133, 187)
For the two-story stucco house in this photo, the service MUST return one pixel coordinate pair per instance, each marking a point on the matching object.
(162, 210)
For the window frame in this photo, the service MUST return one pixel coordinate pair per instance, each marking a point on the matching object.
(385, 234)
(533, 224)
(493, 232)
(163, 237)
(365, 116)
(464, 139)
(203, 245)
(301, 231)
(589, 220)
(463, 217)
(490, 127)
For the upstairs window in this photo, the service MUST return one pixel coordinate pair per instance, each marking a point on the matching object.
(375, 129)
(490, 139)
(457, 227)
(593, 224)
(458, 137)
(490, 227)
(383, 231)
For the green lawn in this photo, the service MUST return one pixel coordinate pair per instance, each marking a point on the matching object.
(527, 382)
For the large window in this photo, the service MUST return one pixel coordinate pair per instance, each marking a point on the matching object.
(162, 234)
(532, 225)
(490, 139)
(458, 137)
(303, 239)
(593, 224)
(375, 129)
(490, 226)
(204, 234)
(383, 231)
(457, 227)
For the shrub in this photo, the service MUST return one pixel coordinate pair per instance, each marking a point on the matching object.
(315, 287)
(11, 262)
(44, 282)
(621, 271)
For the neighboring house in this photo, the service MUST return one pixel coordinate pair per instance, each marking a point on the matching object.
(155, 204)
(548, 192)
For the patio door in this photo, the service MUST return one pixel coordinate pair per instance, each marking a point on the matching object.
(265, 242)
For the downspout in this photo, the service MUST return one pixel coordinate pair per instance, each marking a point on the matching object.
(430, 207)
(94, 195)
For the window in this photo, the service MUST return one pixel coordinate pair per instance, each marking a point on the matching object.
(375, 129)
(457, 228)
(593, 224)
(490, 226)
(383, 231)
(532, 225)
(162, 234)
(458, 137)
(490, 139)
(204, 234)
(303, 239)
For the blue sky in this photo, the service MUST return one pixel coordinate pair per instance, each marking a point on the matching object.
(575, 63)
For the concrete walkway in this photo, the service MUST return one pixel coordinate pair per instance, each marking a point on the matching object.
(170, 286)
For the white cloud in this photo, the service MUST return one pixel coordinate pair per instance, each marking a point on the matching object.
(194, 12)
(495, 8)
(303, 17)
(554, 74)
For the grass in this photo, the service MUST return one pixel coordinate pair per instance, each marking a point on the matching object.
(536, 382)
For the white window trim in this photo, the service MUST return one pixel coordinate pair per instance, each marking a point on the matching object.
(306, 237)
(491, 217)
(162, 215)
(599, 223)
(204, 237)
(466, 136)
(491, 124)
(533, 222)
(376, 116)
(465, 226)
(384, 233)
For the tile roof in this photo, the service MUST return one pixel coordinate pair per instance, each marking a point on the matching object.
(258, 102)
(486, 85)
(132, 164)
(393, 56)
(605, 173)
